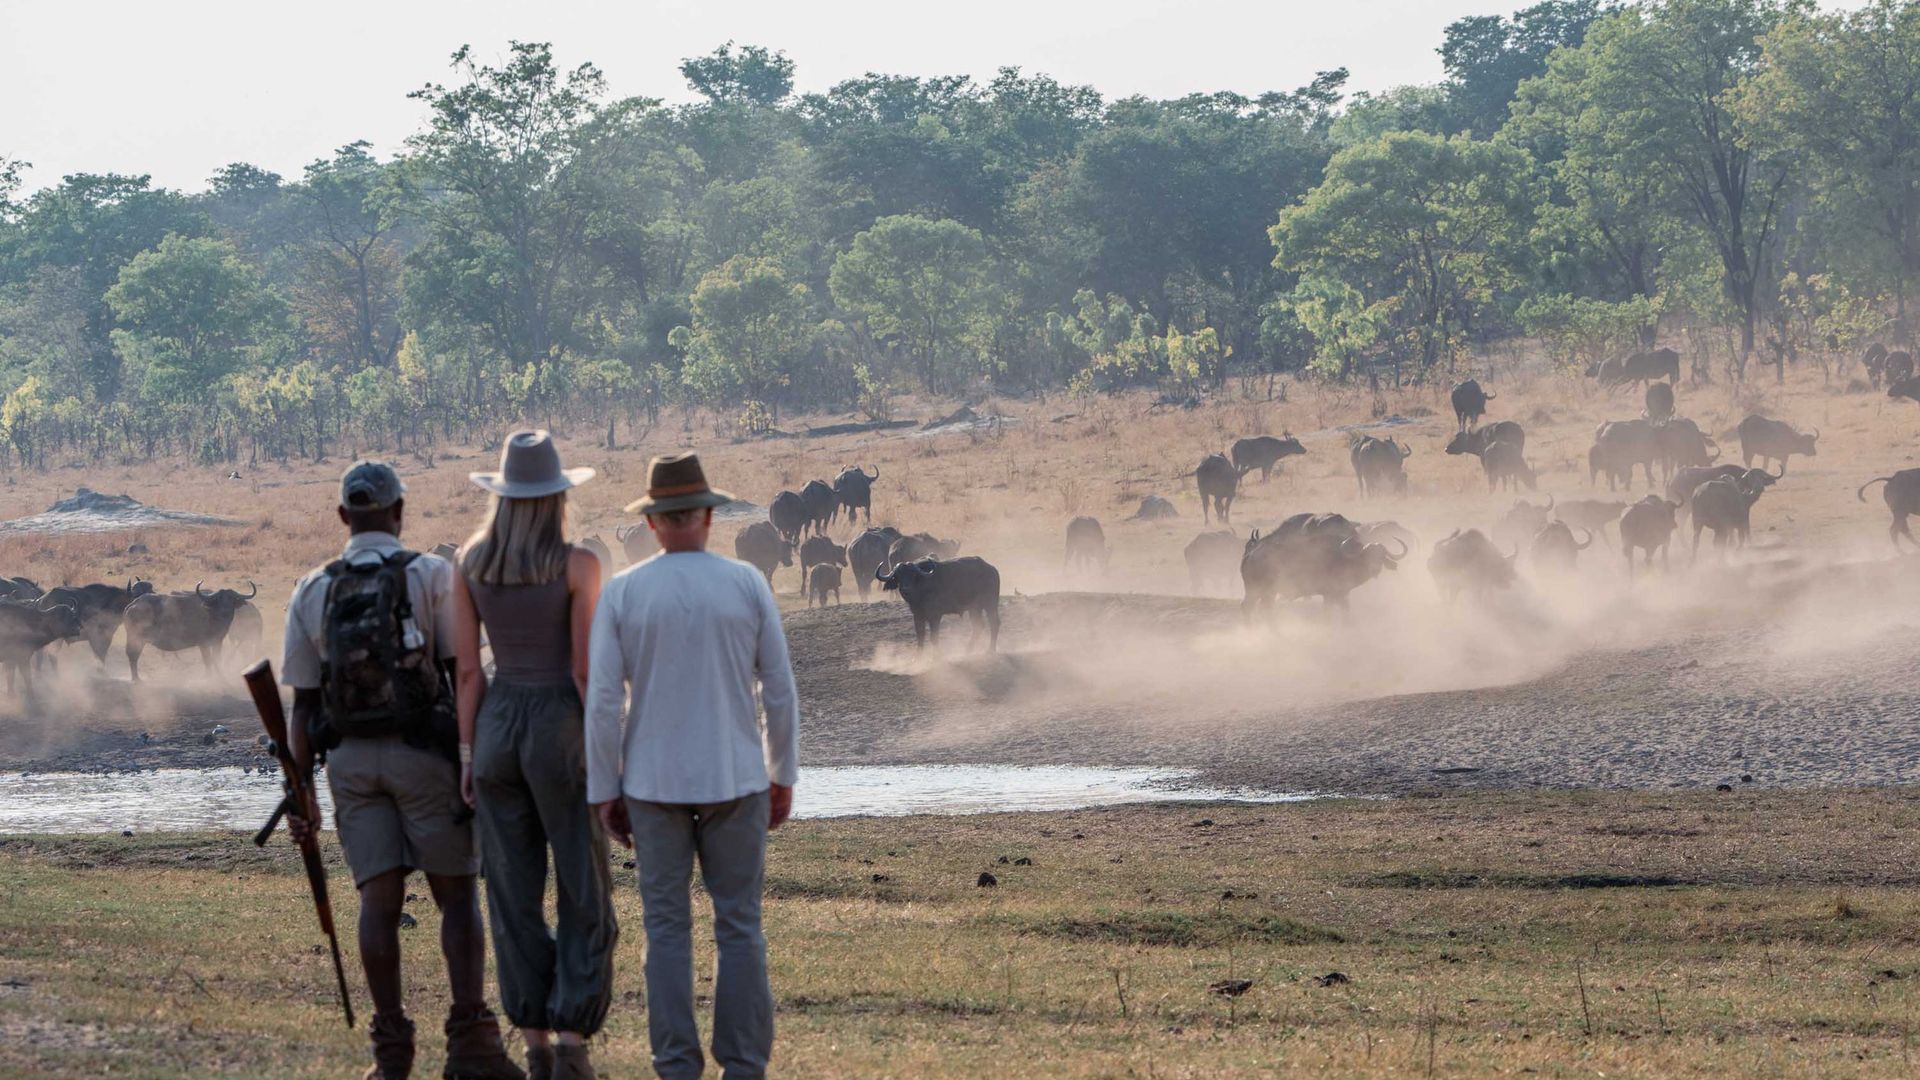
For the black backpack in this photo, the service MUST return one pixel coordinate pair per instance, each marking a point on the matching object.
(380, 677)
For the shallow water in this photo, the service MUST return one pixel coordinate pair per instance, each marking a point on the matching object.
(188, 799)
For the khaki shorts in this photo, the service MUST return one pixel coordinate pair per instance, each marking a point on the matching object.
(397, 807)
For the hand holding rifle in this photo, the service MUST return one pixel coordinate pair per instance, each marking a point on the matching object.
(301, 809)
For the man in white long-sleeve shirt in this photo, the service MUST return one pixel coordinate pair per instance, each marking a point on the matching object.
(679, 766)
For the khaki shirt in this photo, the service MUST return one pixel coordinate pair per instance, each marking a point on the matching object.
(429, 585)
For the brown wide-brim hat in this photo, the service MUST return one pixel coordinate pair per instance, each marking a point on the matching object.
(677, 482)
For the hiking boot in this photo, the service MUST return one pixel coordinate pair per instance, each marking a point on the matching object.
(571, 1062)
(540, 1063)
(392, 1039)
(474, 1048)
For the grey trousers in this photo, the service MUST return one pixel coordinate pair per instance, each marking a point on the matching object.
(530, 790)
(730, 840)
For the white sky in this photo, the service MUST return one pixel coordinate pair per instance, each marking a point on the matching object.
(179, 89)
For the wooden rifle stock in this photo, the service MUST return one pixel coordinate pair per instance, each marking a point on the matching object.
(266, 700)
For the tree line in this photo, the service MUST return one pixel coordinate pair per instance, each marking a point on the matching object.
(1738, 176)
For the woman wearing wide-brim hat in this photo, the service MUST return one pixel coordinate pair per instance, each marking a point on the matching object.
(523, 754)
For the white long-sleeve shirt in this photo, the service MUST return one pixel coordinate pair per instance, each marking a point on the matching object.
(678, 642)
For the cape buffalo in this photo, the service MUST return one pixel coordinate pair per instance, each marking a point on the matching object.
(246, 631)
(789, 515)
(1773, 440)
(1219, 482)
(26, 627)
(1506, 466)
(1310, 555)
(1659, 401)
(1213, 559)
(1264, 452)
(1903, 498)
(1379, 532)
(761, 546)
(920, 546)
(854, 488)
(18, 588)
(174, 622)
(1688, 480)
(1875, 361)
(1647, 524)
(867, 553)
(1683, 444)
(1620, 446)
(1905, 388)
(1476, 441)
(826, 579)
(933, 589)
(819, 551)
(1610, 372)
(1378, 462)
(1555, 548)
(601, 552)
(1087, 545)
(1594, 514)
(1723, 505)
(1649, 366)
(1469, 563)
(1522, 522)
(636, 542)
(1899, 367)
(821, 503)
(100, 607)
(1470, 403)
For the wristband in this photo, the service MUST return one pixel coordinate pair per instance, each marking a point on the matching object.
(466, 753)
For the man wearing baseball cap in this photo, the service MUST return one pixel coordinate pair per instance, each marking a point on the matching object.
(369, 648)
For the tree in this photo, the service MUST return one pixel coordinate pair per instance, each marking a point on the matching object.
(94, 224)
(752, 76)
(1419, 229)
(1647, 95)
(926, 286)
(749, 323)
(501, 178)
(1487, 57)
(1840, 92)
(189, 313)
(347, 290)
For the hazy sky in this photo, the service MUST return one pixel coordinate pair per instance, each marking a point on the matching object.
(179, 89)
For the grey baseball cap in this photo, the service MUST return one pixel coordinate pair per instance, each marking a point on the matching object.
(370, 485)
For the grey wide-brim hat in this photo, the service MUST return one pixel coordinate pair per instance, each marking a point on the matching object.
(530, 468)
(677, 482)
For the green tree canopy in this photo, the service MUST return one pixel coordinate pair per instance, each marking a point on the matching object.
(1410, 234)
(189, 313)
(926, 287)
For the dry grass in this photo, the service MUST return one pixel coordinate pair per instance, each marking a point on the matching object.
(1575, 935)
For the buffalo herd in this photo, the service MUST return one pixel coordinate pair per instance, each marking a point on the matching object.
(1325, 555)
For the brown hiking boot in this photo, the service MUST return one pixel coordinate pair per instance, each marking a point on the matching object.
(475, 1050)
(392, 1039)
(539, 1063)
(571, 1062)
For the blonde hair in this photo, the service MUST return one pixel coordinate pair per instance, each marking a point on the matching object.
(521, 542)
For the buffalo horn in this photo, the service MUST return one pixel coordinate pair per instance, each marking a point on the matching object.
(876, 473)
(1589, 542)
(197, 590)
(1549, 504)
(1816, 434)
(253, 590)
(1404, 549)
